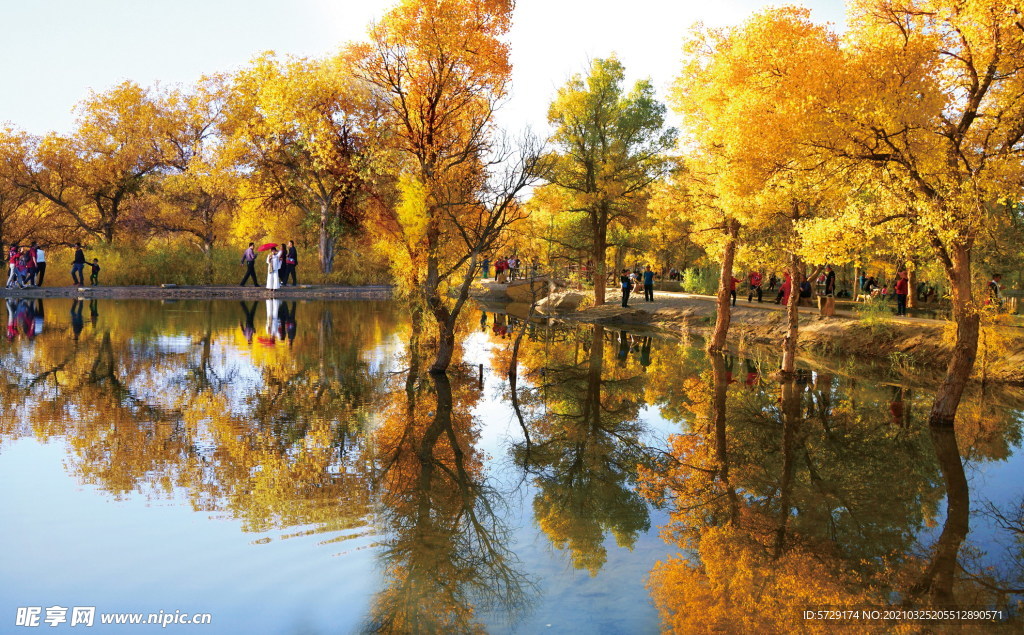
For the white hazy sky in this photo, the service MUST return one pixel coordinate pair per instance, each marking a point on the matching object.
(55, 51)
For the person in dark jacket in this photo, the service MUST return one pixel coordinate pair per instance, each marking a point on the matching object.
(830, 281)
(627, 284)
(78, 265)
(249, 260)
(291, 260)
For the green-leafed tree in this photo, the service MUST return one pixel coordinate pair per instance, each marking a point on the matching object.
(610, 148)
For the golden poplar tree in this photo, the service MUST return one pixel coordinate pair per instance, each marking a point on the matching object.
(439, 69)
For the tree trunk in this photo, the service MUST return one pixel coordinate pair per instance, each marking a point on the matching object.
(326, 243)
(789, 344)
(600, 246)
(911, 287)
(717, 342)
(965, 349)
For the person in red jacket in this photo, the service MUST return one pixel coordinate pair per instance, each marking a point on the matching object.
(755, 286)
(732, 289)
(784, 291)
(902, 286)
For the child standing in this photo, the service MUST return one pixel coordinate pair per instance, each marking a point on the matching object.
(95, 275)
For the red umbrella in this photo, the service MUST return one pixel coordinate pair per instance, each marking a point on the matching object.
(266, 246)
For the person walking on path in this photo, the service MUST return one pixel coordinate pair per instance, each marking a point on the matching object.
(995, 290)
(830, 281)
(486, 267)
(40, 266)
(732, 288)
(12, 265)
(249, 260)
(626, 283)
(648, 284)
(94, 277)
(32, 267)
(754, 279)
(273, 269)
(901, 287)
(22, 266)
(291, 261)
(78, 265)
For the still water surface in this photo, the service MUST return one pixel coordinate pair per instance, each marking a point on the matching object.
(290, 467)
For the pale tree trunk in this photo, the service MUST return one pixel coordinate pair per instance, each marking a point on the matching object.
(965, 349)
(789, 344)
(717, 342)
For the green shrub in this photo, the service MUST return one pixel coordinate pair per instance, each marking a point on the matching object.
(875, 314)
(698, 281)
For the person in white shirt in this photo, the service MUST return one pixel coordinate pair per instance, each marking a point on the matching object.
(40, 266)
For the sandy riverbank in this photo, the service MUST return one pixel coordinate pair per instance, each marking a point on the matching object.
(912, 342)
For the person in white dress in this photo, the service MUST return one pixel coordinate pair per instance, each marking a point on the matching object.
(273, 266)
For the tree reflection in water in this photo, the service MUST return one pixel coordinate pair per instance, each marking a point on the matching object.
(584, 441)
(806, 497)
(446, 548)
(816, 492)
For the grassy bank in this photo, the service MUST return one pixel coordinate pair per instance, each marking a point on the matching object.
(129, 265)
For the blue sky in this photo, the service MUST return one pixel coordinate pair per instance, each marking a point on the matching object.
(55, 51)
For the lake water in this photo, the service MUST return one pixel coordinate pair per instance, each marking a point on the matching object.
(289, 467)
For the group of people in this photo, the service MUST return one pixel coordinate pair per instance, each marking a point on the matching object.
(630, 281)
(507, 269)
(27, 266)
(898, 289)
(282, 262)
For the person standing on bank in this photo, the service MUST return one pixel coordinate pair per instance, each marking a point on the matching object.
(94, 277)
(830, 281)
(754, 279)
(902, 287)
(291, 260)
(78, 265)
(648, 284)
(40, 266)
(33, 267)
(273, 268)
(249, 260)
(995, 290)
(12, 269)
(626, 283)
